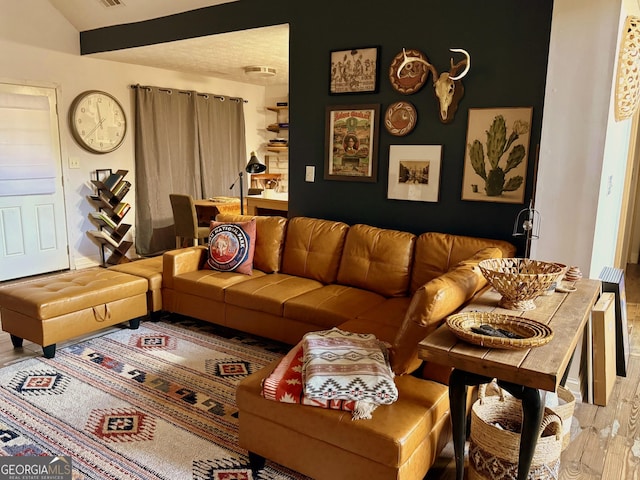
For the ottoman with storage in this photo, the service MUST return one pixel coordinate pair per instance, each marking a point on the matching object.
(52, 309)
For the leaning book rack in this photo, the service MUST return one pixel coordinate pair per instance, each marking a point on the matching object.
(111, 209)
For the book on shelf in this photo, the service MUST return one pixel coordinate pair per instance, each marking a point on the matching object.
(121, 209)
(101, 216)
(121, 188)
(112, 180)
(101, 234)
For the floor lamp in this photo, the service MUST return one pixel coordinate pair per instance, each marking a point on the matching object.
(253, 166)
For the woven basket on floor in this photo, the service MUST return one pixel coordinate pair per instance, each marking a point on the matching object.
(494, 450)
(565, 408)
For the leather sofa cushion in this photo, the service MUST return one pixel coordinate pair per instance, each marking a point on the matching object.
(270, 232)
(313, 248)
(331, 305)
(149, 268)
(268, 293)
(390, 313)
(390, 437)
(436, 253)
(210, 283)
(377, 259)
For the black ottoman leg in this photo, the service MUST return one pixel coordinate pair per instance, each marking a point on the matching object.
(49, 351)
(17, 341)
(134, 324)
(256, 462)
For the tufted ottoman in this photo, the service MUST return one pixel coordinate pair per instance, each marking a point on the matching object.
(52, 309)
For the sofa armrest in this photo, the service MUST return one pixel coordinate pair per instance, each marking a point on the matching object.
(429, 306)
(432, 303)
(182, 260)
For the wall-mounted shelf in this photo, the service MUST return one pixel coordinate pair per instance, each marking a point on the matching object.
(111, 209)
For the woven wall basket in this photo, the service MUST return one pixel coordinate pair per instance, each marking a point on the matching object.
(493, 449)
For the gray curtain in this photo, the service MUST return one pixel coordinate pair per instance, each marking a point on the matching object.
(186, 142)
(221, 142)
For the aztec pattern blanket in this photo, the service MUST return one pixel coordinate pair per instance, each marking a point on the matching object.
(153, 403)
(341, 365)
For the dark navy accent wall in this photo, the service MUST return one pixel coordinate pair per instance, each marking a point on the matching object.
(509, 44)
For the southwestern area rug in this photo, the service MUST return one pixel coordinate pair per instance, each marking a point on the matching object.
(153, 403)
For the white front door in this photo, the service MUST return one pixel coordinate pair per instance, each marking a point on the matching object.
(33, 232)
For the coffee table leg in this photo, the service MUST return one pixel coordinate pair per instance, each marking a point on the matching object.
(532, 410)
(458, 382)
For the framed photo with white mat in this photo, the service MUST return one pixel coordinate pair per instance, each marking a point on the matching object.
(414, 172)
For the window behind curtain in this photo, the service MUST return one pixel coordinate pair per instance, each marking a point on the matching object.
(27, 162)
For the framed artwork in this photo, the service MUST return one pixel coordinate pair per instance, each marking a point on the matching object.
(495, 161)
(351, 151)
(354, 71)
(103, 174)
(414, 172)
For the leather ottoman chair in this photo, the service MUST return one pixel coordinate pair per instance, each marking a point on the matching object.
(52, 309)
(151, 270)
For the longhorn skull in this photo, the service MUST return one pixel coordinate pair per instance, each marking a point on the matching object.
(447, 86)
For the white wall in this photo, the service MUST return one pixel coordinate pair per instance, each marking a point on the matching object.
(39, 47)
(583, 151)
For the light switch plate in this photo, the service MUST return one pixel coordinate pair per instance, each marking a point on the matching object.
(310, 174)
(74, 162)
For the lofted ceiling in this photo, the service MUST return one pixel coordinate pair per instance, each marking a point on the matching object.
(222, 56)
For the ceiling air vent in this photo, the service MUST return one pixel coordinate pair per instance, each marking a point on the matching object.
(111, 3)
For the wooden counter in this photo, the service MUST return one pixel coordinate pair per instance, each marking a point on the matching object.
(260, 205)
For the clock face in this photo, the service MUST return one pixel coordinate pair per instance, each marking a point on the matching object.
(97, 121)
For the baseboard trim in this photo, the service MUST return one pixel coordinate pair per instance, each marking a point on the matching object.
(81, 263)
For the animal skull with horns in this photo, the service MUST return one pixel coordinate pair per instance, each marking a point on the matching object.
(447, 86)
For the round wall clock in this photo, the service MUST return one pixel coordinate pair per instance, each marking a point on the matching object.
(97, 121)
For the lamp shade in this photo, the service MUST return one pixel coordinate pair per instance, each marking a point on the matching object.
(255, 165)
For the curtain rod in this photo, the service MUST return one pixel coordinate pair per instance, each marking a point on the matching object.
(222, 98)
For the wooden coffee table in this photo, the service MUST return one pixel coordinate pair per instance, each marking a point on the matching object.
(521, 372)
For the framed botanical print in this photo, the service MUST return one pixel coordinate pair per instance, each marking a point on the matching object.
(354, 71)
(495, 163)
(414, 172)
(351, 152)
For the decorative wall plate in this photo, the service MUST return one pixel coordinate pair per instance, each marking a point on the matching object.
(400, 118)
(413, 75)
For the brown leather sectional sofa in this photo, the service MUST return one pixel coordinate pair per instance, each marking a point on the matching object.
(312, 274)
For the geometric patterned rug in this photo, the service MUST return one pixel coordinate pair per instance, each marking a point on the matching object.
(153, 403)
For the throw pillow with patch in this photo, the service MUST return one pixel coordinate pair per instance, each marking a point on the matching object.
(231, 246)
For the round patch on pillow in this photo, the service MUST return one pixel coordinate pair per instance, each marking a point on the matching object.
(229, 247)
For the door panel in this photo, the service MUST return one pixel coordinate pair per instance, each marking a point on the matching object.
(33, 232)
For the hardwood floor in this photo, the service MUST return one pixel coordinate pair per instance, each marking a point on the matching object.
(605, 441)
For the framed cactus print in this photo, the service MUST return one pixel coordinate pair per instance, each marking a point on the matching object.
(496, 154)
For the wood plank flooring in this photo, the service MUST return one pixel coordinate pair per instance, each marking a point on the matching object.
(605, 440)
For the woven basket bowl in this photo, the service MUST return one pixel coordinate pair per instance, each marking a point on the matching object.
(519, 280)
(534, 334)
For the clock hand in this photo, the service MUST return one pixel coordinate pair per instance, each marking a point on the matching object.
(99, 124)
(100, 119)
